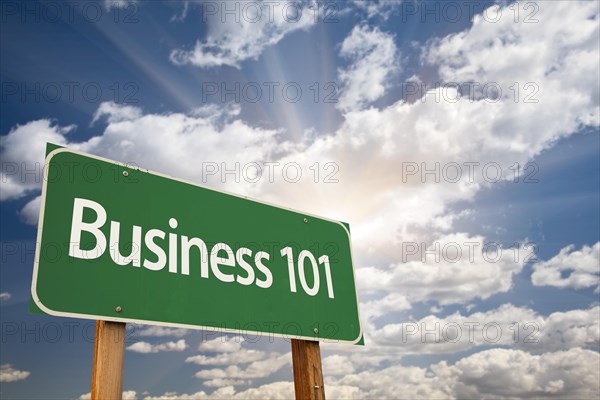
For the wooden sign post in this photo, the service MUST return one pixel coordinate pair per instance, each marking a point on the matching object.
(109, 351)
(308, 372)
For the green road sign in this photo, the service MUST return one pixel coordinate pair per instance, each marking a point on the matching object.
(125, 244)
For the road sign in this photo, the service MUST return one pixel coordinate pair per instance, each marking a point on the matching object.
(125, 244)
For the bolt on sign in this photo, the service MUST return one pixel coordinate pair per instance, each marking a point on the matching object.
(129, 245)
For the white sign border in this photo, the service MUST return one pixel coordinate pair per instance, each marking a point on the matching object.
(168, 324)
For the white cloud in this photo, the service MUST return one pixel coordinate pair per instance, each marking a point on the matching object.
(505, 326)
(108, 4)
(145, 347)
(260, 25)
(411, 382)
(456, 268)
(564, 330)
(582, 265)
(491, 374)
(373, 58)
(159, 331)
(182, 15)
(133, 137)
(9, 374)
(257, 369)
(564, 40)
(126, 395)
(224, 382)
(4, 296)
(129, 395)
(116, 113)
(374, 8)
(223, 344)
(230, 353)
(241, 356)
(336, 365)
(500, 373)
(392, 302)
(31, 212)
(270, 391)
(22, 154)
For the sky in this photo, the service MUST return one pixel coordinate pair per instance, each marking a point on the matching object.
(458, 139)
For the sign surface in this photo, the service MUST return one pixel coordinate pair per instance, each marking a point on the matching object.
(125, 244)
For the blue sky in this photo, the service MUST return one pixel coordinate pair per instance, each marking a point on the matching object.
(175, 86)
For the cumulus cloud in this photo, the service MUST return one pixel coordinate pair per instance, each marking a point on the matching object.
(127, 395)
(116, 113)
(145, 347)
(507, 325)
(159, 331)
(22, 154)
(392, 302)
(109, 4)
(494, 374)
(469, 144)
(275, 390)
(254, 370)
(223, 344)
(132, 136)
(337, 365)
(224, 382)
(454, 269)
(412, 382)
(377, 8)
(9, 374)
(563, 330)
(31, 212)
(373, 58)
(259, 26)
(241, 365)
(566, 40)
(500, 373)
(490, 374)
(582, 266)
(242, 356)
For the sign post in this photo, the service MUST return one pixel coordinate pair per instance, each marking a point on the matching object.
(109, 349)
(308, 371)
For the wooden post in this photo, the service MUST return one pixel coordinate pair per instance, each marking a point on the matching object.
(308, 372)
(109, 349)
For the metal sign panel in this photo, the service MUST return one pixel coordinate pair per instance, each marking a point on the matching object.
(125, 244)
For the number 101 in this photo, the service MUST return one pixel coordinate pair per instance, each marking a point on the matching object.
(305, 254)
